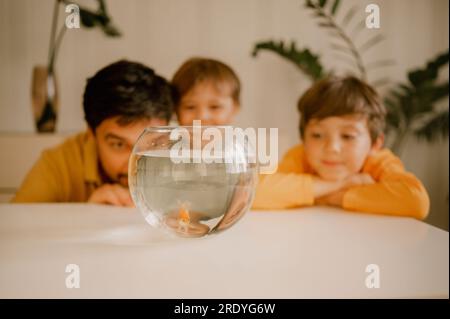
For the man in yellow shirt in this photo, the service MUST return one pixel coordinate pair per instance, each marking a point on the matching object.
(341, 161)
(119, 102)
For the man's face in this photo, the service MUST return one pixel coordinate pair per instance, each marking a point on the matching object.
(115, 143)
(337, 147)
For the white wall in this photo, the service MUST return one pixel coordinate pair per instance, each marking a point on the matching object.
(163, 33)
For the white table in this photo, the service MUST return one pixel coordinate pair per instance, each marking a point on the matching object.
(313, 252)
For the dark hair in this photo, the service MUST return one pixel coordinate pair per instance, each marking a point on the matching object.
(338, 96)
(198, 70)
(129, 90)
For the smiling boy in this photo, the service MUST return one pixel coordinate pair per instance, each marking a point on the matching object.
(208, 90)
(119, 102)
(341, 161)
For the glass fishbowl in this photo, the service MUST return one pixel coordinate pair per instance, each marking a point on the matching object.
(193, 180)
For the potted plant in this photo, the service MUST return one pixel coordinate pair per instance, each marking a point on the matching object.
(44, 86)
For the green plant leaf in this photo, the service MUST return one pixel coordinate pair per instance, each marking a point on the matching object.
(102, 6)
(440, 92)
(441, 60)
(407, 90)
(306, 61)
(357, 29)
(348, 60)
(309, 4)
(334, 34)
(380, 64)
(330, 24)
(100, 18)
(103, 16)
(430, 72)
(325, 25)
(88, 19)
(381, 82)
(392, 120)
(319, 14)
(416, 101)
(349, 15)
(111, 30)
(340, 48)
(335, 7)
(371, 43)
(391, 104)
(437, 127)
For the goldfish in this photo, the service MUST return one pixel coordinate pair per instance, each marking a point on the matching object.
(184, 218)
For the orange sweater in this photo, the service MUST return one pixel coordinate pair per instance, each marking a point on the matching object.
(395, 192)
(65, 173)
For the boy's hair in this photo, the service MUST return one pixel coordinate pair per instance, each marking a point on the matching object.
(197, 70)
(338, 96)
(129, 90)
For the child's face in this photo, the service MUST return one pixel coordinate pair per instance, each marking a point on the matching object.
(336, 147)
(208, 103)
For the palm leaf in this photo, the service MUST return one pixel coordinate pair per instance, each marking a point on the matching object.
(322, 3)
(335, 7)
(100, 18)
(379, 64)
(350, 62)
(305, 60)
(440, 92)
(371, 43)
(430, 72)
(340, 48)
(349, 15)
(415, 101)
(381, 82)
(435, 128)
(357, 28)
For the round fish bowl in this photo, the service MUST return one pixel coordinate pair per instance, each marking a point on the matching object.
(192, 181)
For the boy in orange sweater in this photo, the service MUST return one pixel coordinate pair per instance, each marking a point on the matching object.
(341, 161)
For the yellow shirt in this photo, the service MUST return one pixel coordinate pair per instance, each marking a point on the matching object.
(65, 173)
(395, 192)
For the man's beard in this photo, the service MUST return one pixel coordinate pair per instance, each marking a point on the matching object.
(121, 178)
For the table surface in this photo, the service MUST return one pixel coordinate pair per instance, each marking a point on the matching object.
(315, 252)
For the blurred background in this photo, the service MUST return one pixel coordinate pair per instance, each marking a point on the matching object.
(164, 33)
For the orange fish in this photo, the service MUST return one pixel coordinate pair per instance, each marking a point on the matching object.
(183, 215)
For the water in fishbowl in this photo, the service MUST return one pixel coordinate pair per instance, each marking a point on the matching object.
(190, 199)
